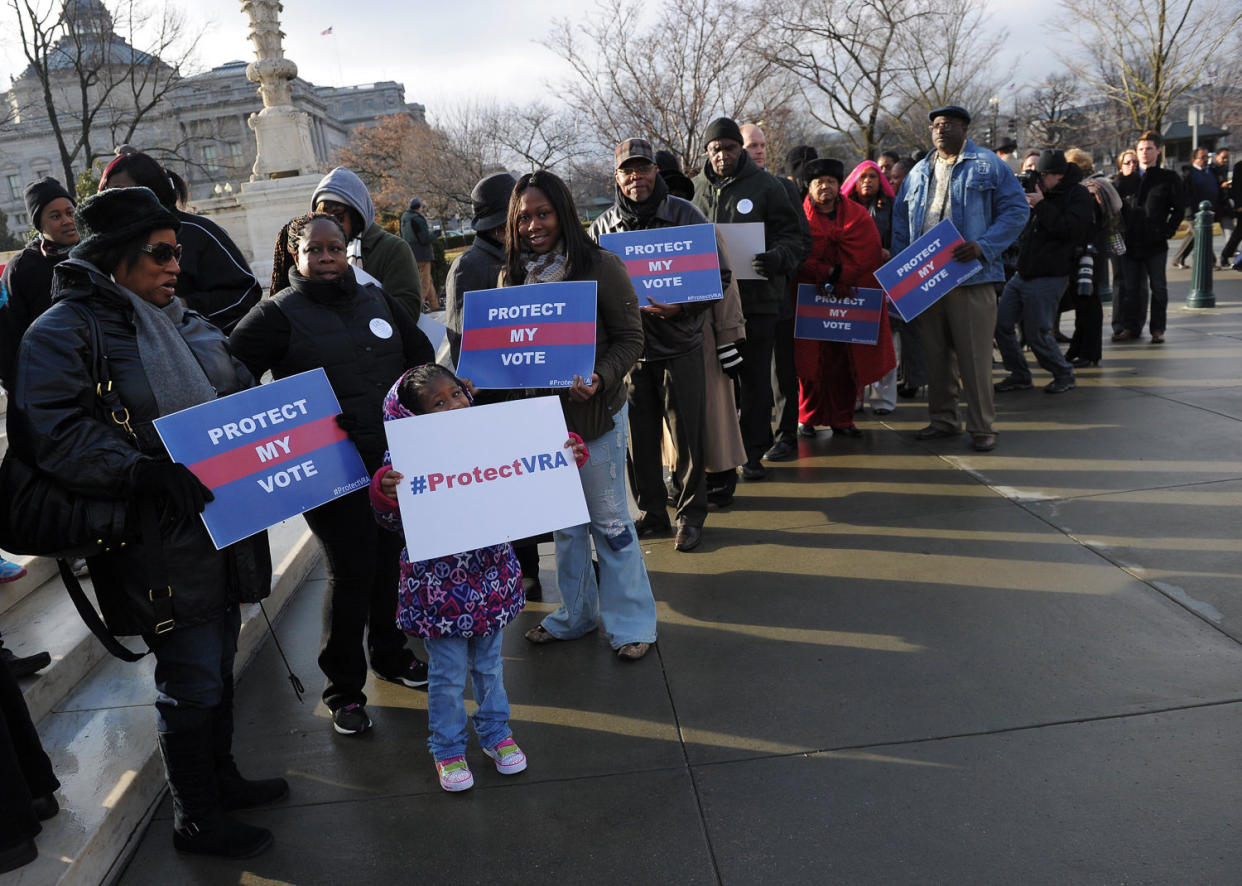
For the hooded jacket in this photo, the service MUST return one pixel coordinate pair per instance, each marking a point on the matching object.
(385, 256)
(25, 293)
(417, 233)
(753, 195)
(476, 268)
(467, 594)
(1058, 230)
(54, 422)
(215, 279)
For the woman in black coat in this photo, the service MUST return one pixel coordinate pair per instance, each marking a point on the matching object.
(115, 294)
(364, 341)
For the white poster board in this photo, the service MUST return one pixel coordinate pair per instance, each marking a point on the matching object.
(743, 241)
(484, 475)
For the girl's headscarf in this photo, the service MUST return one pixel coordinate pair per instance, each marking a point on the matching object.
(886, 187)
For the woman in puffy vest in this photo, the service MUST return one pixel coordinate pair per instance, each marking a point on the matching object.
(363, 340)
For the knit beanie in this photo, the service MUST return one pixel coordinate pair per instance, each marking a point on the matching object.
(41, 193)
(722, 127)
(797, 157)
(116, 216)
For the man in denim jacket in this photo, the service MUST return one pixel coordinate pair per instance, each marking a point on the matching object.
(978, 191)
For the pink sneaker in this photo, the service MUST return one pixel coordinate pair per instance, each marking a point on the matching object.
(455, 774)
(508, 756)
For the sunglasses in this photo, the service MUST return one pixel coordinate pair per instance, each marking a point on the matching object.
(162, 253)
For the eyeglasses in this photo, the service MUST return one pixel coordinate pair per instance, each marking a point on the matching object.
(945, 124)
(635, 170)
(162, 253)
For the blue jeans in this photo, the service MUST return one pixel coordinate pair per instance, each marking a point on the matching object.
(448, 661)
(1034, 302)
(622, 599)
(190, 668)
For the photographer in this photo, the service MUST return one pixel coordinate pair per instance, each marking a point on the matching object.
(1048, 252)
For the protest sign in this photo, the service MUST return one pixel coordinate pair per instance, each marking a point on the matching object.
(484, 475)
(670, 265)
(743, 241)
(535, 336)
(846, 314)
(267, 453)
(925, 271)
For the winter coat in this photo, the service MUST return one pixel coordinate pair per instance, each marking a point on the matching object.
(475, 269)
(723, 448)
(386, 256)
(54, 421)
(467, 594)
(417, 233)
(849, 239)
(306, 327)
(618, 345)
(753, 195)
(683, 332)
(987, 206)
(215, 279)
(25, 293)
(1058, 230)
(1153, 204)
(1200, 185)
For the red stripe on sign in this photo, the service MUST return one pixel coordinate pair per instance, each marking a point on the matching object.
(537, 334)
(937, 261)
(826, 312)
(258, 455)
(678, 264)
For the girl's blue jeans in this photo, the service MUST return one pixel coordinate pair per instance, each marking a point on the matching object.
(449, 660)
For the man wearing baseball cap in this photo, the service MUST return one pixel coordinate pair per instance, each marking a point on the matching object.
(972, 186)
(668, 381)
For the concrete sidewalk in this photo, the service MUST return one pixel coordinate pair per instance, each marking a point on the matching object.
(891, 663)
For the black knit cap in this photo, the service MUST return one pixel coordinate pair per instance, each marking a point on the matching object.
(722, 127)
(116, 216)
(40, 193)
(797, 157)
(822, 166)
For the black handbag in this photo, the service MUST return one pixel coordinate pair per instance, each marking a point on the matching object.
(40, 516)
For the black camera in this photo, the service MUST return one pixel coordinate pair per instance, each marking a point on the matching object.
(1030, 180)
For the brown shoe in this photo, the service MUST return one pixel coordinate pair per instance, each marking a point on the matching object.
(935, 432)
(688, 537)
(633, 651)
(983, 442)
(1124, 335)
(539, 635)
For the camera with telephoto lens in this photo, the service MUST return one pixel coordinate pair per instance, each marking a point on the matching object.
(1030, 180)
(1086, 272)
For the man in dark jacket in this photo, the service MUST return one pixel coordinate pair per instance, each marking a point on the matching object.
(1153, 203)
(479, 266)
(733, 189)
(1200, 184)
(26, 285)
(668, 380)
(416, 232)
(1048, 250)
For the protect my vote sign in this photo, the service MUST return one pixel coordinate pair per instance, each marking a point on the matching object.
(846, 314)
(670, 265)
(267, 453)
(536, 336)
(484, 475)
(925, 271)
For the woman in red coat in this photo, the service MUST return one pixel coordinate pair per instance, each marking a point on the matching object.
(845, 252)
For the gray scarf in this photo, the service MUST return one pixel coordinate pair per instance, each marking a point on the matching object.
(174, 373)
(546, 268)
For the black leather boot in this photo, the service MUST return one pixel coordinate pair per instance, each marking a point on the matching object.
(237, 792)
(200, 825)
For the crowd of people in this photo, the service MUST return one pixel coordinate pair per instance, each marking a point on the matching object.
(702, 392)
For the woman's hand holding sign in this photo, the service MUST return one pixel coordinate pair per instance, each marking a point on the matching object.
(583, 390)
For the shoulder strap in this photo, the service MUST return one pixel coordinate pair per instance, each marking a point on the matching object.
(86, 611)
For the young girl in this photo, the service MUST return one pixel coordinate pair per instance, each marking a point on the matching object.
(458, 604)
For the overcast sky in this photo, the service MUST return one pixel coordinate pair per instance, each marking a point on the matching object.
(446, 53)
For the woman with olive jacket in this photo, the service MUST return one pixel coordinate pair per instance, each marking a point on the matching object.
(116, 294)
(546, 244)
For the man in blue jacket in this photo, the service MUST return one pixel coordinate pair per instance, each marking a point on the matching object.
(978, 191)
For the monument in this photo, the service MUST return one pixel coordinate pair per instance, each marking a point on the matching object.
(284, 175)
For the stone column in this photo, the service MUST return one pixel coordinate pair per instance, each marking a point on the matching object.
(281, 131)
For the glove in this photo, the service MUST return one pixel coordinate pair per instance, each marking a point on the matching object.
(767, 264)
(834, 275)
(730, 359)
(348, 423)
(174, 485)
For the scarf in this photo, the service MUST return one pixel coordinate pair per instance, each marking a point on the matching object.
(54, 251)
(176, 378)
(546, 268)
(638, 215)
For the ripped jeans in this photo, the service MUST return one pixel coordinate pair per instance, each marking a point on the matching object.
(622, 600)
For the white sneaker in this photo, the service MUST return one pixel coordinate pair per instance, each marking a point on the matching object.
(508, 756)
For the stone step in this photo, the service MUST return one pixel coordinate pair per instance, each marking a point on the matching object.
(99, 728)
(38, 571)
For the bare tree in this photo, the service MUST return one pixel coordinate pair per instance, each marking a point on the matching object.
(666, 80)
(1144, 56)
(94, 84)
(536, 135)
(1054, 113)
